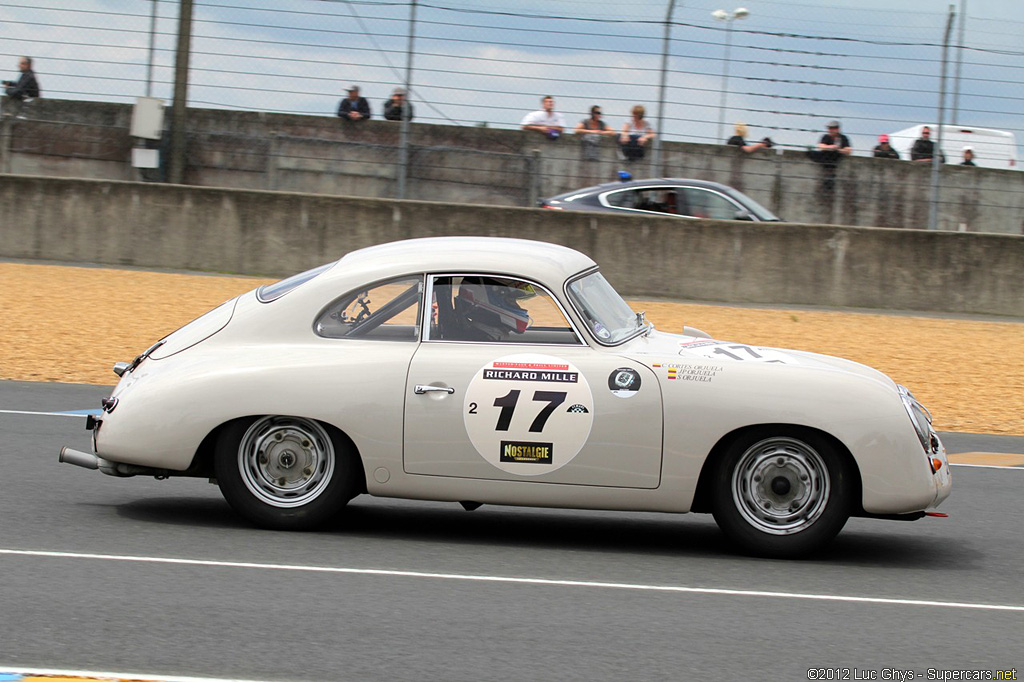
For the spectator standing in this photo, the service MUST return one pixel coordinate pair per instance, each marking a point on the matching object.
(545, 121)
(354, 107)
(883, 150)
(636, 133)
(968, 157)
(398, 107)
(924, 148)
(592, 129)
(834, 145)
(27, 85)
(739, 142)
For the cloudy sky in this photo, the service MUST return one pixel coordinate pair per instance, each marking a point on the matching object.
(794, 64)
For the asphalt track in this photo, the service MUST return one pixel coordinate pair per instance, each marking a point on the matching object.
(160, 579)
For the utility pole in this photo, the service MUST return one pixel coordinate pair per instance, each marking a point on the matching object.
(403, 139)
(959, 62)
(660, 130)
(152, 50)
(933, 204)
(179, 138)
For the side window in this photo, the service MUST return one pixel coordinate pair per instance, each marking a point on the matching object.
(389, 311)
(704, 204)
(497, 310)
(654, 199)
(624, 199)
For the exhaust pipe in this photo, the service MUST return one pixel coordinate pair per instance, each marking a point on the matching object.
(87, 460)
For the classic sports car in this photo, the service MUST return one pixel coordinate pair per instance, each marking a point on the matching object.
(680, 197)
(510, 372)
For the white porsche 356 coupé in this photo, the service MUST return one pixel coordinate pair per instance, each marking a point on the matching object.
(509, 372)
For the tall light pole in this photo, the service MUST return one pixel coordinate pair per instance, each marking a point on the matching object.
(660, 130)
(727, 17)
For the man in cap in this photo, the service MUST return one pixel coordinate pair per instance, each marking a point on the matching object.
(833, 143)
(398, 107)
(883, 150)
(832, 147)
(354, 107)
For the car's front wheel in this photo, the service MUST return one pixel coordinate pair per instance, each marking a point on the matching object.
(284, 473)
(782, 495)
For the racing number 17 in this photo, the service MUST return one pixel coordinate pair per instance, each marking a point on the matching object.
(507, 403)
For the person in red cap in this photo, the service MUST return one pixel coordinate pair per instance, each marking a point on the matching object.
(883, 150)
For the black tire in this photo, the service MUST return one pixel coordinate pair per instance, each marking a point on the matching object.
(782, 494)
(285, 473)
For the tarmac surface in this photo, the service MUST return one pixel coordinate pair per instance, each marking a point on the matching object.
(161, 580)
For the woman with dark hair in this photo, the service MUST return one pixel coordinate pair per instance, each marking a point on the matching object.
(592, 129)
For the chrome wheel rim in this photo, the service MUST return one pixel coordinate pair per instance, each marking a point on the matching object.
(286, 462)
(781, 486)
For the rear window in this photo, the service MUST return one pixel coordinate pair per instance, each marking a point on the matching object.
(272, 292)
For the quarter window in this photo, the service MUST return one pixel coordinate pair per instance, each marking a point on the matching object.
(389, 311)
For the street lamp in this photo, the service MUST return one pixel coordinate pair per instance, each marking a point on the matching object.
(727, 17)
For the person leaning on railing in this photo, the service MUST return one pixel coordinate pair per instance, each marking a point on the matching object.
(738, 140)
(26, 88)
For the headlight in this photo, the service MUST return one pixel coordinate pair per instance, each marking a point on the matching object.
(920, 416)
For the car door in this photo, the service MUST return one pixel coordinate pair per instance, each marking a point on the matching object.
(504, 388)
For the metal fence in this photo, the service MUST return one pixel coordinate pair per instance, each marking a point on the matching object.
(785, 68)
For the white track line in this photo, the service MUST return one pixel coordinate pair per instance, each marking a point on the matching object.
(80, 415)
(93, 674)
(519, 581)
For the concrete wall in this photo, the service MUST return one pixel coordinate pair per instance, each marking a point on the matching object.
(322, 154)
(278, 233)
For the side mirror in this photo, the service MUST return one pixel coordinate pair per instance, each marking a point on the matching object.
(743, 215)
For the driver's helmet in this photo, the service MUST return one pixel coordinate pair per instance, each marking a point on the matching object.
(491, 305)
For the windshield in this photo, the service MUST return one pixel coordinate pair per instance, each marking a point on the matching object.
(608, 317)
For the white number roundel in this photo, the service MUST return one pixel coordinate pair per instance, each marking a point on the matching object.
(528, 414)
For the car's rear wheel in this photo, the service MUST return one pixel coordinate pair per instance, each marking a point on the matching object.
(285, 473)
(782, 495)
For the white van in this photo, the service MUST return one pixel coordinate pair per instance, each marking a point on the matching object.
(992, 148)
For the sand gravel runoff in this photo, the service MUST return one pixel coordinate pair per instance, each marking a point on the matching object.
(71, 324)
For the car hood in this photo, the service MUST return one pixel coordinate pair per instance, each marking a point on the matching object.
(660, 348)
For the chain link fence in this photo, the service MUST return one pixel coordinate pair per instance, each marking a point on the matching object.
(481, 66)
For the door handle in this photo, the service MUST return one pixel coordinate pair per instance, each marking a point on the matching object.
(421, 389)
